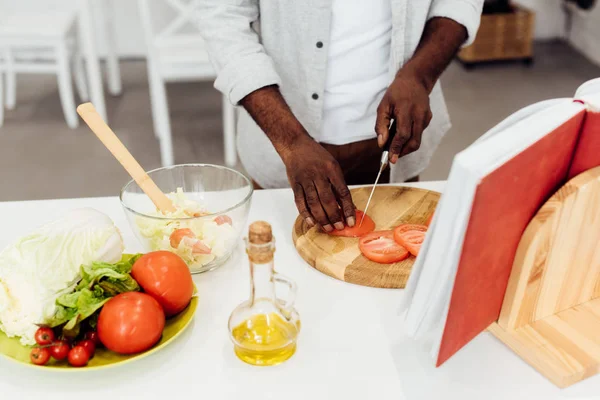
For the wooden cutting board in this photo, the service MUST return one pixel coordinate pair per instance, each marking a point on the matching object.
(340, 257)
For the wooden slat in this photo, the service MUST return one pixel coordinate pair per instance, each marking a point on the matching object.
(557, 265)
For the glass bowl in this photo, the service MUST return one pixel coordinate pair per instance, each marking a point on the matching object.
(224, 196)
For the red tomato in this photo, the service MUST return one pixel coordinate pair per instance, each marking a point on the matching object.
(78, 356)
(130, 323)
(429, 220)
(411, 240)
(166, 277)
(223, 219)
(381, 247)
(89, 346)
(178, 235)
(357, 230)
(198, 247)
(60, 350)
(93, 336)
(409, 227)
(44, 336)
(40, 355)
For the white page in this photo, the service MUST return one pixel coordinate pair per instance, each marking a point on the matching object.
(519, 116)
(590, 88)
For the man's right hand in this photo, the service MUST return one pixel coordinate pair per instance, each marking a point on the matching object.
(322, 196)
(320, 191)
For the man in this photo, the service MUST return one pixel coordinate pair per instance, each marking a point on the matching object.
(321, 81)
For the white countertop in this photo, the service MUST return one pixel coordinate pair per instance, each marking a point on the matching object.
(351, 345)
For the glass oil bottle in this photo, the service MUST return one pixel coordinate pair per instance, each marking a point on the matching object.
(264, 329)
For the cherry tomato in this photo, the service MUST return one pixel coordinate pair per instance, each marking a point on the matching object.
(89, 346)
(223, 219)
(40, 355)
(166, 277)
(382, 248)
(44, 336)
(93, 336)
(78, 356)
(131, 323)
(60, 350)
(357, 230)
(411, 240)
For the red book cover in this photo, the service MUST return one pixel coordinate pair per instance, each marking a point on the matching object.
(504, 203)
(587, 155)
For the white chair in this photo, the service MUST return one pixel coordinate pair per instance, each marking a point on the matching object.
(176, 52)
(44, 43)
(1, 94)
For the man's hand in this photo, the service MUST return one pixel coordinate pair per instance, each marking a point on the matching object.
(407, 98)
(320, 192)
(406, 101)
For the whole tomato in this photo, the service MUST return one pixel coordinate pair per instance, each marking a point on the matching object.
(60, 350)
(40, 355)
(166, 277)
(44, 336)
(78, 356)
(89, 346)
(130, 323)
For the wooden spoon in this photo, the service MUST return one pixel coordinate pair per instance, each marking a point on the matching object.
(91, 117)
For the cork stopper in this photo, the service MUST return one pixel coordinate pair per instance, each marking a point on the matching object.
(260, 233)
(260, 246)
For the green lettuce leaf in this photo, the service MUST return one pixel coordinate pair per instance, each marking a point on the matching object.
(99, 282)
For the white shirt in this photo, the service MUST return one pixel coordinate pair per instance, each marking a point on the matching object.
(256, 43)
(358, 64)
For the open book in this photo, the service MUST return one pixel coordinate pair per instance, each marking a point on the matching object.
(495, 187)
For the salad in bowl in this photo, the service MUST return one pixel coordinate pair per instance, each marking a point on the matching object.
(211, 209)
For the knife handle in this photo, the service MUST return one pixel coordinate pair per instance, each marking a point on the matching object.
(392, 133)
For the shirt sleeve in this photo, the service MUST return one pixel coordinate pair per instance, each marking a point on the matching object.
(240, 60)
(465, 12)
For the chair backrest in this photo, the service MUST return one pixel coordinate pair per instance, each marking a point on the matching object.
(173, 39)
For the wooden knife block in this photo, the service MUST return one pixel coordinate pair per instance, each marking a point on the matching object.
(551, 311)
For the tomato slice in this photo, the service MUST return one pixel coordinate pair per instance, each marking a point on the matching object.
(179, 234)
(428, 223)
(357, 230)
(411, 240)
(409, 227)
(381, 247)
(223, 219)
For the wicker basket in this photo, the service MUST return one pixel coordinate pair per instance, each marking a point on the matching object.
(502, 37)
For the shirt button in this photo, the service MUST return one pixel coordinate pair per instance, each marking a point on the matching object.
(315, 96)
(319, 45)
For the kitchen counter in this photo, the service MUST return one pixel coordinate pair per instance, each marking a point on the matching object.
(351, 345)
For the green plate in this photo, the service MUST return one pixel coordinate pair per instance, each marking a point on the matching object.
(12, 349)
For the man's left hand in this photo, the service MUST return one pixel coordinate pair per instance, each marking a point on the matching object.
(407, 102)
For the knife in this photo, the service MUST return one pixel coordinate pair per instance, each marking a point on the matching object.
(383, 163)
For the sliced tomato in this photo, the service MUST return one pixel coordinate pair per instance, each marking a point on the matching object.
(409, 227)
(428, 223)
(223, 219)
(411, 240)
(178, 235)
(357, 230)
(197, 245)
(381, 247)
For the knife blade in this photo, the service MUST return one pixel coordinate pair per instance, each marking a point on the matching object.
(383, 163)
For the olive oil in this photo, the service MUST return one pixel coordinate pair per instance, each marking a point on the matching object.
(265, 328)
(265, 339)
